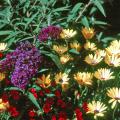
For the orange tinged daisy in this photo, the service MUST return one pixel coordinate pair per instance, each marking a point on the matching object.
(88, 33)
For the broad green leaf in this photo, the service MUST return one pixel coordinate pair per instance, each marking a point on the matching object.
(98, 4)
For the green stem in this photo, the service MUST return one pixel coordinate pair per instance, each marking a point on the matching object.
(113, 116)
(84, 9)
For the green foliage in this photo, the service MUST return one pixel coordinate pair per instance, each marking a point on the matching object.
(23, 19)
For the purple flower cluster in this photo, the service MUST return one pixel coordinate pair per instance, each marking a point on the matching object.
(25, 61)
(52, 32)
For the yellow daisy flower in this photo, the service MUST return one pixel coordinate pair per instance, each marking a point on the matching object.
(84, 78)
(3, 106)
(60, 49)
(44, 81)
(104, 74)
(3, 46)
(75, 45)
(114, 93)
(63, 80)
(2, 76)
(90, 46)
(112, 60)
(96, 108)
(65, 58)
(93, 59)
(67, 33)
(88, 33)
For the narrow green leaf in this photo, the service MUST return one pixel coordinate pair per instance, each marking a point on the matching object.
(33, 100)
(61, 9)
(76, 7)
(85, 21)
(14, 88)
(74, 51)
(7, 32)
(54, 57)
(98, 4)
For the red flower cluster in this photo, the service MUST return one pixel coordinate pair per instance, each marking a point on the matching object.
(13, 111)
(78, 114)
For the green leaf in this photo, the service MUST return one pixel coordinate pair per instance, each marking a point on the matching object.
(14, 88)
(54, 57)
(31, 19)
(98, 4)
(61, 9)
(105, 40)
(74, 51)
(76, 7)
(7, 32)
(33, 100)
(85, 21)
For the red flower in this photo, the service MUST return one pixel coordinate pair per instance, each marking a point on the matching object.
(15, 94)
(53, 83)
(41, 93)
(32, 113)
(13, 111)
(58, 93)
(5, 97)
(62, 116)
(7, 82)
(84, 106)
(32, 90)
(61, 103)
(35, 95)
(54, 117)
(50, 101)
(47, 108)
(78, 114)
(1, 54)
(47, 90)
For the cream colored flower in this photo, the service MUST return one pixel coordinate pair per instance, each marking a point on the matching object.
(96, 108)
(114, 93)
(65, 58)
(102, 53)
(63, 80)
(104, 74)
(93, 59)
(44, 81)
(76, 46)
(2, 76)
(113, 50)
(112, 60)
(3, 106)
(67, 33)
(84, 78)
(3, 46)
(60, 49)
(115, 43)
(90, 46)
(88, 33)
